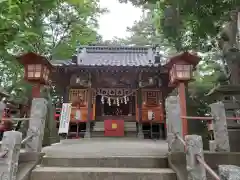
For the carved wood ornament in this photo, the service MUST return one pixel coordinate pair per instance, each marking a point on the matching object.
(151, 98)
(78, 96)
(80, 80)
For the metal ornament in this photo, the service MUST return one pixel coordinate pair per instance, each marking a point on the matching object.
(118, 102)
(125, 99)
(102, 100)
(109, 101)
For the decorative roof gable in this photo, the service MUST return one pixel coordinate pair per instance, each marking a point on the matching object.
(112, 56)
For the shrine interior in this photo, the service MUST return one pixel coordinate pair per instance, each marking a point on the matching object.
(115, 109)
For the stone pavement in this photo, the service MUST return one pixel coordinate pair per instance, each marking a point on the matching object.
(107, 147)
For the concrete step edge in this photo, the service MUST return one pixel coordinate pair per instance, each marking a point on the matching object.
(108, 157)
(103, 169)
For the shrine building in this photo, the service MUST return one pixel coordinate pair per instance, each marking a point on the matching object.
(120, 85)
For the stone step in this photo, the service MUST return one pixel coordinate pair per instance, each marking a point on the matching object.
(100, 133)
(90, 173)
(116, 162)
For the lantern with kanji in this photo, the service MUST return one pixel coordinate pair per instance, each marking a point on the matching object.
(181, 67)
(37, 68)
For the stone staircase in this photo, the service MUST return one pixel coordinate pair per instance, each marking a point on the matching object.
(103, 168)
(130, 129)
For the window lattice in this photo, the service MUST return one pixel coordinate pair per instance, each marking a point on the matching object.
(77, 94)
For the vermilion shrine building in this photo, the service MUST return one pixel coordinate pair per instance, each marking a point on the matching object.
(115, 85)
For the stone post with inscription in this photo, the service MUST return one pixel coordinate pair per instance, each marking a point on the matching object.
(221, 138)
(10, 151)
(194, 148)
(36, 125)
(174, 124)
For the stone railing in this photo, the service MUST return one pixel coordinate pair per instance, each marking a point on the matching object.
(12, 140)
(192, 145)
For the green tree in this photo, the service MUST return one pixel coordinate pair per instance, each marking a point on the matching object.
(50, 28)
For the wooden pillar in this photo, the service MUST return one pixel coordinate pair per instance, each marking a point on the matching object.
(183, 107)
(36, 91)
(140, 133)
(130, 106)
(66, 94)
(89, 115)
(93, 105)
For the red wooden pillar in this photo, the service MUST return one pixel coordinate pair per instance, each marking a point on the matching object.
(183, 106)
(36, 91)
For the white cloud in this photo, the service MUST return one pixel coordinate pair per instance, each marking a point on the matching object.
(115, 22)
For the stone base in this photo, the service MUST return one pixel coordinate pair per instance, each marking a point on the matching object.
(87, 134)
(140, 135)
(234, 139)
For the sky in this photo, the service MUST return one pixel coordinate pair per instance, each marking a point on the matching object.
(115, 22)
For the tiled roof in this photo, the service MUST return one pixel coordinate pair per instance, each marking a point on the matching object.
(111, 56)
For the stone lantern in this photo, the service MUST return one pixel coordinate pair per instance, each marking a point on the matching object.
(37, 70)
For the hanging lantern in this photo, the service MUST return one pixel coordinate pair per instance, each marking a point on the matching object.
(118, 102)
(109, 101)
(114, 101)
(102, 100)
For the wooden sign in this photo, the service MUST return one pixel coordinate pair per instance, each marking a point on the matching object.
(65, 118)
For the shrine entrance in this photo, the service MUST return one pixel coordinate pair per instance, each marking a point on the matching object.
(116, 108)
(115, 89)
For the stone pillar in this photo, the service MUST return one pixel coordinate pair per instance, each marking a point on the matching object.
(212, 146)
(174, 124)
(89, 116)
(36, 125)
(229, 172)
(11, 144)
(221, 137)
(194, 147)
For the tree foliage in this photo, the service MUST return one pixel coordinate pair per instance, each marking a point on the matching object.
(190, 24)
(48, 27)
(208, 71)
